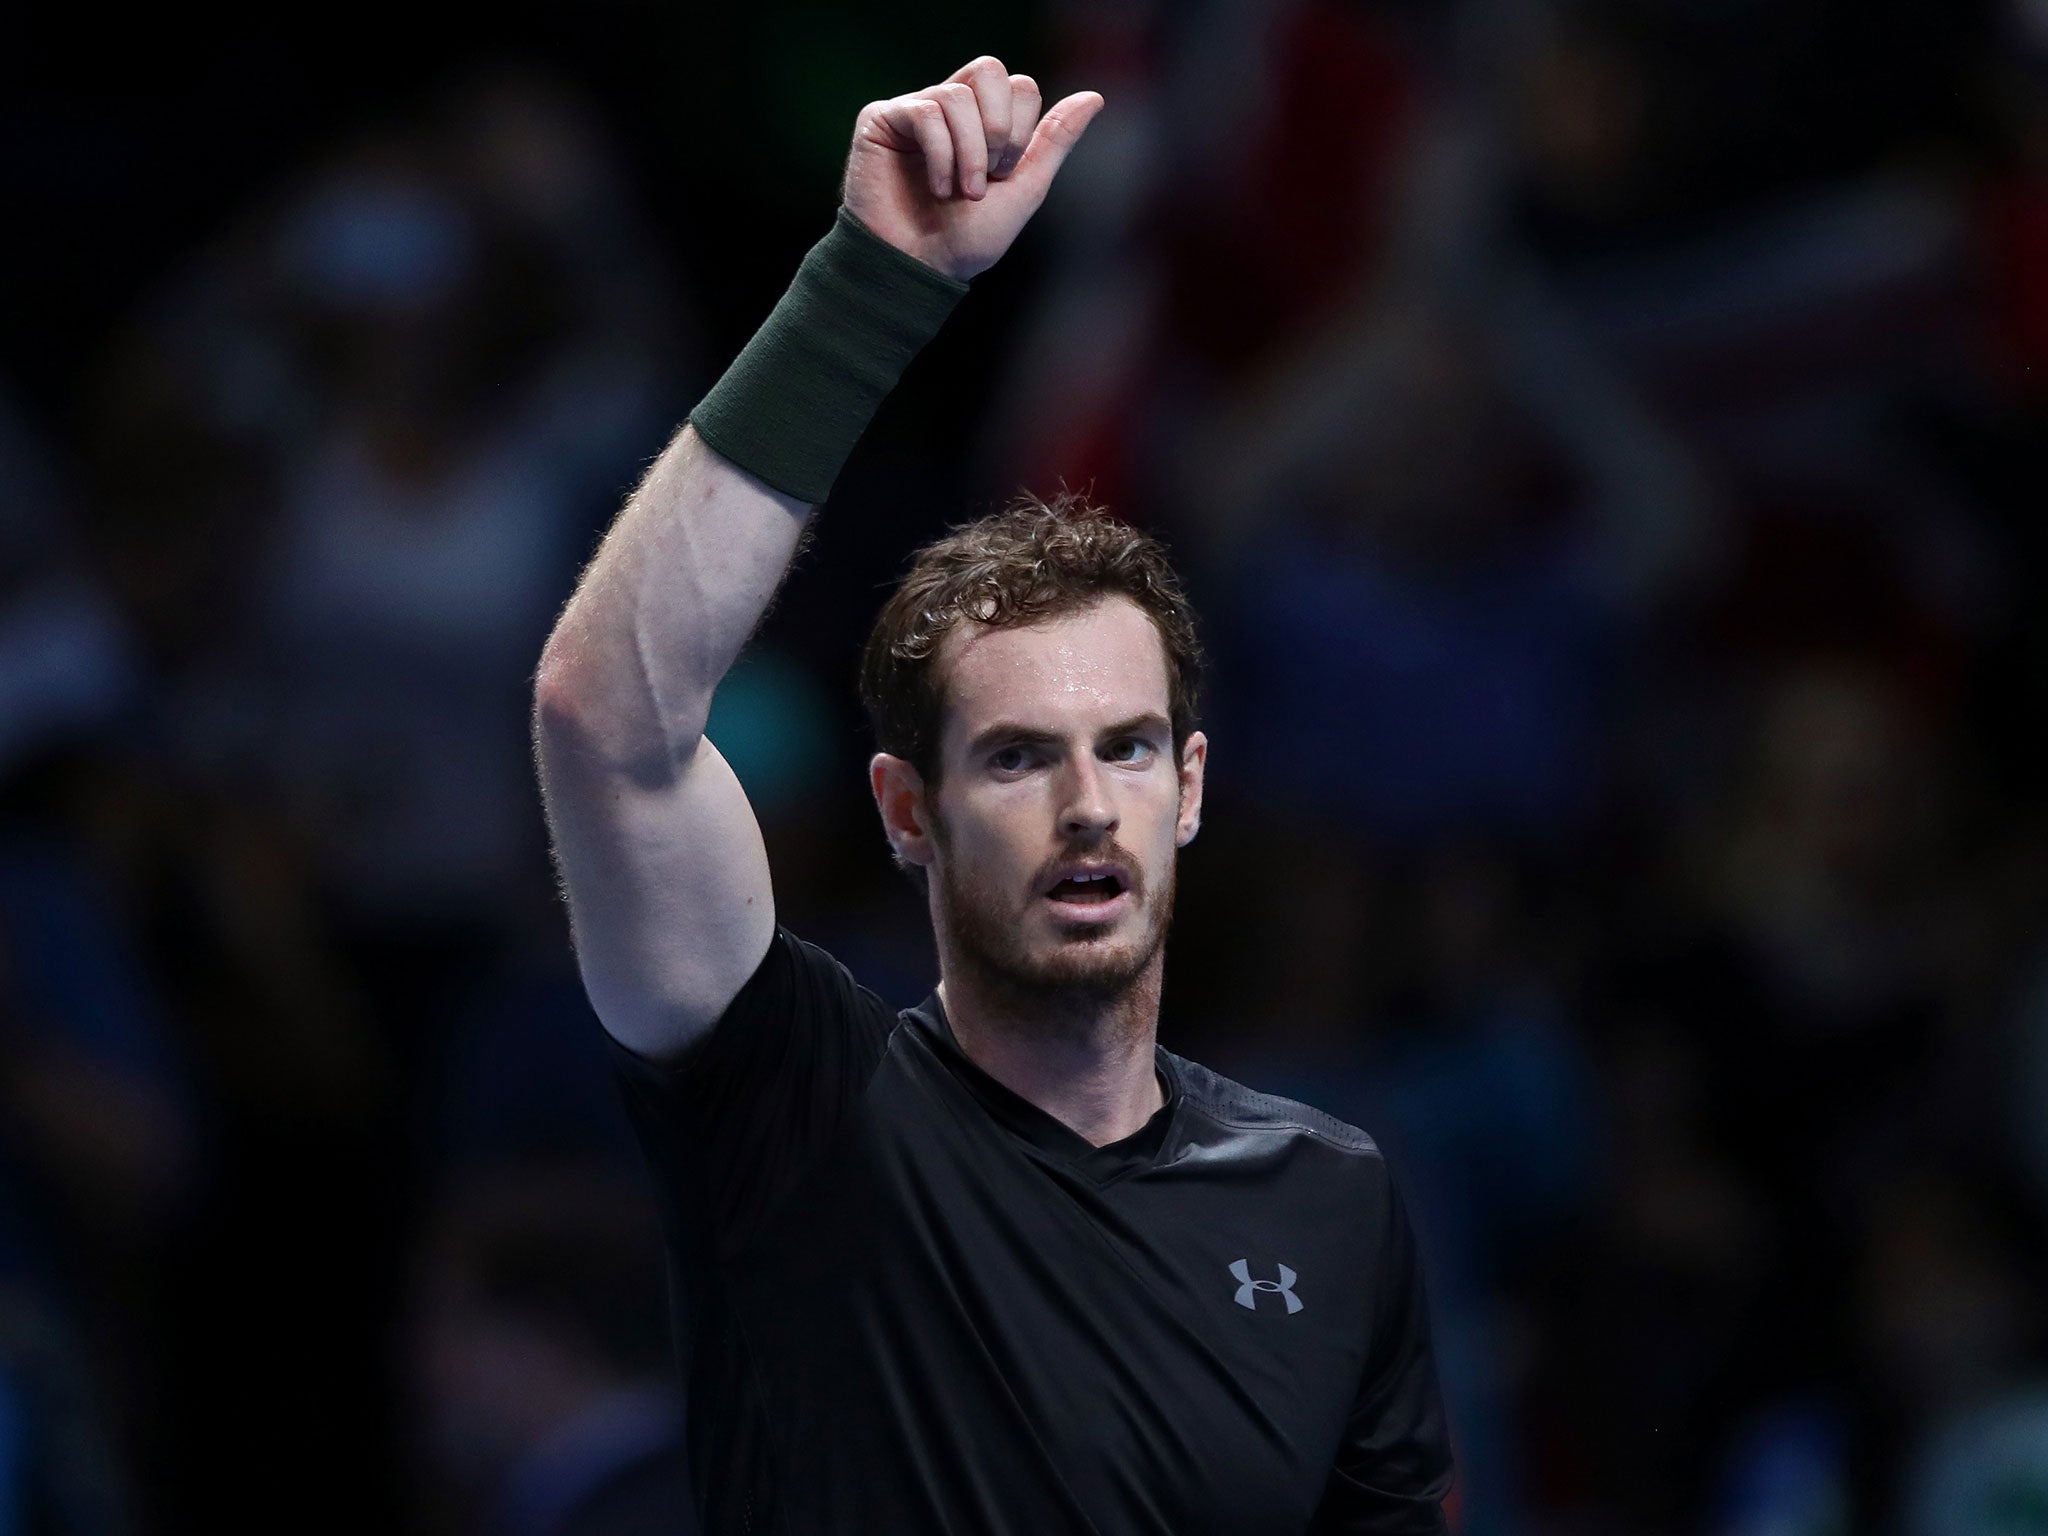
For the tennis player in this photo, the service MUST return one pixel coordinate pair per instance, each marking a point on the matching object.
(998, 1263)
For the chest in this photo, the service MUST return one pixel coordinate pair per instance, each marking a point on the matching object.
(1189, 1331)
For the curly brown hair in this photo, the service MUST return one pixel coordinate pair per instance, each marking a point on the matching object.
(1035, 559)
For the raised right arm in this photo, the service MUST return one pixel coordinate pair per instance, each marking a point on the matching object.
(662, 861)
(659, 854)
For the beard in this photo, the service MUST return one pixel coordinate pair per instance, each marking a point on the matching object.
(1085, 973)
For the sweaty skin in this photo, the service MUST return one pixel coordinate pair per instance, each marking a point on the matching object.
(1056, 746)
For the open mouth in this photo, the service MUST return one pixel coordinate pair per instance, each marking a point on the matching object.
(1090, 898)
(1088, 890)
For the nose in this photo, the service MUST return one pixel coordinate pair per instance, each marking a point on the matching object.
(1087, 812)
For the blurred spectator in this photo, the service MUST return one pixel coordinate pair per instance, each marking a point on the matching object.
(344, 470)
(1787, 1474)
(467, 436)
(66, 662)
(96, 1171)
(424, 376)
(1947, 1300)
(544, 1391)
(1985, 1471)
(1834, 913)
(1197, 243)
(100, 1141)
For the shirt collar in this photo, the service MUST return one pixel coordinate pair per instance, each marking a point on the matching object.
(1046, 1132)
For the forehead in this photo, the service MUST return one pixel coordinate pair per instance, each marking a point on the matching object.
(1096, 666)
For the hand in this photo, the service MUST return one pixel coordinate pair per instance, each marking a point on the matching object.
(950, 174)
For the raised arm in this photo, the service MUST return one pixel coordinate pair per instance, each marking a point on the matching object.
(662, 861)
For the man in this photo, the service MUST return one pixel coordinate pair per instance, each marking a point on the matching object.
(998, 1263)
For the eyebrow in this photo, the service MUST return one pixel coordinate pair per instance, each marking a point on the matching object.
(1012, 733)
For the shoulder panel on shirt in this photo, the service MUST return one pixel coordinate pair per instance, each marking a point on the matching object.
(1231, 1103)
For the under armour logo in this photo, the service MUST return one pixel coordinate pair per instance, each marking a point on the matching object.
(1248, 1289)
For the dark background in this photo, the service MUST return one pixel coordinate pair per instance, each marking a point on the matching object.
(1604, 441)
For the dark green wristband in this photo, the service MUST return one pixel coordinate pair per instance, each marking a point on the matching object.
(801, 392)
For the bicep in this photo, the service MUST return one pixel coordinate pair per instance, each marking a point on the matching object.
(668, 887)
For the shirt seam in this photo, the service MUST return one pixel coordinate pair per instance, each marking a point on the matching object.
(1372, 1151)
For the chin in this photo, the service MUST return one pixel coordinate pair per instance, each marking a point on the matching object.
(1049, 960)
(1085, 960)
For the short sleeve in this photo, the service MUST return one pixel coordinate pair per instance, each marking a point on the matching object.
(1394, 1468)
(733, 1123)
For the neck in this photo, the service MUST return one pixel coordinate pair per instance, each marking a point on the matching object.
(1087, 1061)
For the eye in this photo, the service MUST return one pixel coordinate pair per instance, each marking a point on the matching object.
(1130, 749)
(1011, 759)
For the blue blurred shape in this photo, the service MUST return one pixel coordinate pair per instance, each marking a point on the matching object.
(1786, 1475)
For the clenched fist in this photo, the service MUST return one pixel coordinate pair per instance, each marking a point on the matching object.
(949, 174)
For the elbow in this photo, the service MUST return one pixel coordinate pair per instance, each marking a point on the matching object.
(608, 721)
(556, 693)
(561, 699)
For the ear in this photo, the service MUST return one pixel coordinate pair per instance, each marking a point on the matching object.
(1194, 760)
(899, 796)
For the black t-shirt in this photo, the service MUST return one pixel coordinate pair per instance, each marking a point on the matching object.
(908, 1300)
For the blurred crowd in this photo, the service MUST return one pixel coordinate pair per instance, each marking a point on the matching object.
(1603, 439)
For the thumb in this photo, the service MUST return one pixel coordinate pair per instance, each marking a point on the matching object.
(1058, 131)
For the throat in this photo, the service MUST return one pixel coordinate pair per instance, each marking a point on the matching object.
(1101, 1082)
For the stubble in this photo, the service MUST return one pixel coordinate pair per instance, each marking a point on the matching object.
(1086, 976)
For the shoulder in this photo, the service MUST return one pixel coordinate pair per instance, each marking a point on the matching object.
(801, 1000)
(797, 976)
(1230, 1104)
(821, 966)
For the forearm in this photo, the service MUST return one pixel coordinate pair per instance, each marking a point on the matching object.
(678, 585)
(686, 574)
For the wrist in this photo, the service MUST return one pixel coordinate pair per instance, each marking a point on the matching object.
(887, 255)
(795, 401)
